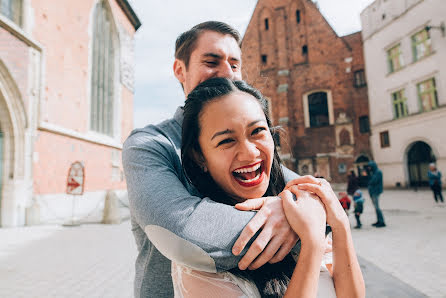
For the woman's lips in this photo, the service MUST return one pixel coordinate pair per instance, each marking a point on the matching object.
(250, 175)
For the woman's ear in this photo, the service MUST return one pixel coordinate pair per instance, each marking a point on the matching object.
(199, 160)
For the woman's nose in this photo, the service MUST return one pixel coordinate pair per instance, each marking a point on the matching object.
(248, 151)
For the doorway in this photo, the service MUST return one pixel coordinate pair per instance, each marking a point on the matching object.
(419, 157)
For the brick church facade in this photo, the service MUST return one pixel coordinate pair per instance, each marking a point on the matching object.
(314, 81)
(66, 96)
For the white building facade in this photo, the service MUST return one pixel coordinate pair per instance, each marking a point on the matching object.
(405, 58)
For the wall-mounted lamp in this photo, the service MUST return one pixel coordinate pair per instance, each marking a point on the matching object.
(442, 27)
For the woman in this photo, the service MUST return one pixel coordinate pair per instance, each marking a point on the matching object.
(435, 182)
(228, 153)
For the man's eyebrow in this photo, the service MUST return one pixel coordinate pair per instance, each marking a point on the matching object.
(226, 131)
(217, 56)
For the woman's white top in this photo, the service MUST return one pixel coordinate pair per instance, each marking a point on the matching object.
(189, 283)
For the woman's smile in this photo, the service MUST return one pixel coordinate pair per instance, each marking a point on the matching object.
(251, 175)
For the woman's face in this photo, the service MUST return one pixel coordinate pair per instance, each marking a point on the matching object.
(237, 145)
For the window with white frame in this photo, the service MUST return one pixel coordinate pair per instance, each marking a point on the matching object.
(427, 95)
(318, 109)
(421, 44)
(12, 9)
(103, 71)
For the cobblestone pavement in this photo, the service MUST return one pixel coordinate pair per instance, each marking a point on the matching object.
(411, 248)
(402, 260)
(55, 261)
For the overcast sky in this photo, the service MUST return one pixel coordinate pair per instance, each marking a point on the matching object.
(157, 93)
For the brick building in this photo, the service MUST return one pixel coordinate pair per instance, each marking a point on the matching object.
(315, 84)
(66, 95)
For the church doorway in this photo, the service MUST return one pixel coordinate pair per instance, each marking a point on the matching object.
(419, 156)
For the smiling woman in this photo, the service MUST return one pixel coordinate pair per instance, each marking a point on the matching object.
(228, 153)
(228, 150)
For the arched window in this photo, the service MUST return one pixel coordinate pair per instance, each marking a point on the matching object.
(12, 9)
(103, 71)
(318, 109)
(344, 137)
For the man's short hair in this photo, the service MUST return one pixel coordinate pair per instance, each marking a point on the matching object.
(187, 41)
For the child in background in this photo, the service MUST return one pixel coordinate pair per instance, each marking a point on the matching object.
(345, 201)
(359, 206)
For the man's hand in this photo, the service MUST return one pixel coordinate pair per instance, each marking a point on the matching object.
(275, 240)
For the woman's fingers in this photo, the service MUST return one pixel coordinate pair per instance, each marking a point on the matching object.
(316, 189)
(303, 179)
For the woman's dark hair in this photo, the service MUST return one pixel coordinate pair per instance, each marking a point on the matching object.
(271, 279)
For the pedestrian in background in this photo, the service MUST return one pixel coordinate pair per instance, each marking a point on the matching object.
(435, 182)
(353, 183)
(359, 207)
(345, 201)
(375, 187)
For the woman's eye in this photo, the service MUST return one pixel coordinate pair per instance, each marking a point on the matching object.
(258, 130)
(225, 141)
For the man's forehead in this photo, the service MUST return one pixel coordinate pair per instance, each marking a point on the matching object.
(214, 43)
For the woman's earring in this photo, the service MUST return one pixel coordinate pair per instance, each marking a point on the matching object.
(204, 168)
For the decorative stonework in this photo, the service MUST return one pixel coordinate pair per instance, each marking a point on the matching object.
(282, 88)
(127, 66)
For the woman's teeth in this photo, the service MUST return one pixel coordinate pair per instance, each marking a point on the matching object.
(247, 170)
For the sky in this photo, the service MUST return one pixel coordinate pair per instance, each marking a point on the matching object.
(157, 92)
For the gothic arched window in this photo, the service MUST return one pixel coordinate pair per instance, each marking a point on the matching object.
(103, 71)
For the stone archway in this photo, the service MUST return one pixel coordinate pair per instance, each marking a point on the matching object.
(13, 125)
(419, 155)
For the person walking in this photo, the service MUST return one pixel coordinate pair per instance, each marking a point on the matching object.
(353, 183)
(435, 182)
(375, 187)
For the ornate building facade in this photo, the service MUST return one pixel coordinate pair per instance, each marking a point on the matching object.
(405, 55)
(316, 86)
(66, 95)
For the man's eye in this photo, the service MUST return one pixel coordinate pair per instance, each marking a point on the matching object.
(225, 141)
(234, 66)
(212, 63)
(258, 130)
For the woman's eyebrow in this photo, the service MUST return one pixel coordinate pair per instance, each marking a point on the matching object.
(255, 122)
(219, 133)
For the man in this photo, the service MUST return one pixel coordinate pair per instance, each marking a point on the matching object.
(170, 220)
(375, 187)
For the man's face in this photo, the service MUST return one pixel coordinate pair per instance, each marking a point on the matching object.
(215, 55)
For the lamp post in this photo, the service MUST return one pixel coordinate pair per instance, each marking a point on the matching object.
(442, 27)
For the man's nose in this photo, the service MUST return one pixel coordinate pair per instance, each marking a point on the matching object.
(225, 71)
(248, 151)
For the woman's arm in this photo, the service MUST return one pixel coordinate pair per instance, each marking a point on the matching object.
(307, 218)
(347, 274)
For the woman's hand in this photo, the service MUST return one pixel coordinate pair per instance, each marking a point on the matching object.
(336, 216)
(306, 217)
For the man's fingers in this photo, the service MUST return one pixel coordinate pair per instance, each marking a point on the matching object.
(252, 204)
(284, 250)
(257, 248)
(248, 232)
(267, 254)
